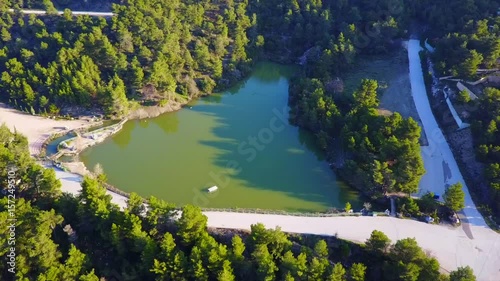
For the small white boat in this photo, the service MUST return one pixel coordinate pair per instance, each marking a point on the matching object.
(212, 189)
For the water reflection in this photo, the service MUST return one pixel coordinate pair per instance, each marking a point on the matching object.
(125, 136)
(213, 98)
(144, 123)
(236, 88)
(169, 123)
(267, 74)
(307, 139)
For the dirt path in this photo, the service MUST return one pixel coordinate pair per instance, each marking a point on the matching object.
(453, 247)
(483, 257)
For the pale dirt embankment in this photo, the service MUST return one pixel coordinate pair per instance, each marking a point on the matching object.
(453, 247)
(37, 129)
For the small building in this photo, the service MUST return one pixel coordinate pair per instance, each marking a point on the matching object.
(429, 219)
(212, 189)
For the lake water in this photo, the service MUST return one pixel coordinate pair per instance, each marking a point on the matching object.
(239, 140)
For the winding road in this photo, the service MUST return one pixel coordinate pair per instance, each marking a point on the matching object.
(475, 244)
(76, 13)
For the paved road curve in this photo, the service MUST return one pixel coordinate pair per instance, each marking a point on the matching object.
(438, 154)
(76, 13)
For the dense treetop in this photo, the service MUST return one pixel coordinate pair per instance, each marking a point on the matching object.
(487, 118)
(476, 45)
(378, 154)
(158, 48)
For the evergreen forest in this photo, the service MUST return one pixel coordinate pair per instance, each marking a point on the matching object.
(156, 52)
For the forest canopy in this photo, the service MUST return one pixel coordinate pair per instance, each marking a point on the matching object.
(152, 50)
(155, 50)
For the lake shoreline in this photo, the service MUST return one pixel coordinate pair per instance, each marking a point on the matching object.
(169, 138)
(144, 112)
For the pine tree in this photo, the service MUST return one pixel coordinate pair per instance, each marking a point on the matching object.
(378, 242)
(454, 197)
(192, 224)
(321, 249)
(366, 95)
(357, 272)
(338, 273)
(197, 268)
(226, 274)
(265, 265)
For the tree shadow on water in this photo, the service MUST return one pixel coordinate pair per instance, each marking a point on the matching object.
(292, 167)
(307, 139)
(125, 136)
(169, 123)
(283, 172)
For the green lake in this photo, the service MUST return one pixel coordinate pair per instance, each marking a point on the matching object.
(239, 140)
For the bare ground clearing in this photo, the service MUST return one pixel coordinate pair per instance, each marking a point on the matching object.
(391, 73)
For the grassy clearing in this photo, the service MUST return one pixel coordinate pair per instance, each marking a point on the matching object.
(380, 68)
(392, 74)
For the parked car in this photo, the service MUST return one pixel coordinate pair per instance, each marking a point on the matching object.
(454, 218)
(429, 219)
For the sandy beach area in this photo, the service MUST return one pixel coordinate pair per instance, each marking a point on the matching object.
(473, 244)
(37, 129)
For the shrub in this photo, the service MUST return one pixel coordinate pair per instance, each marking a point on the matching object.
(463, 96)
(348, 207)
(427, 203)
(410, 207)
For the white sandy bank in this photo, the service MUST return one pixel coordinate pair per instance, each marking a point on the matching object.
(36, 129)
